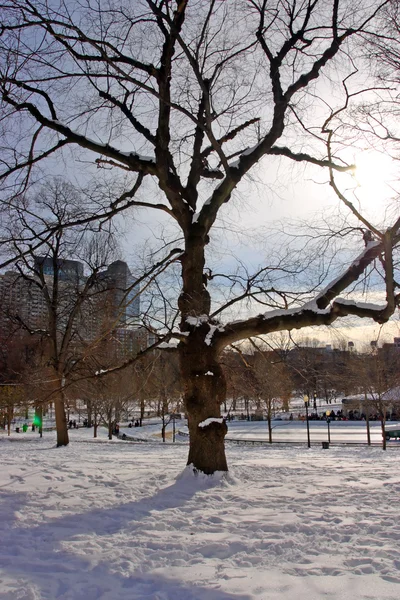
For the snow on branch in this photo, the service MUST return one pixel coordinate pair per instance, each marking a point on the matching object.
(304, 157)
(307, 315)
(322, 310)
(209, 421)
(134, 161)
(352, 273)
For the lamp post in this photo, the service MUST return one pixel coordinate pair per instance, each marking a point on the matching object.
(306, 401)
(328, 420)
(315, 401)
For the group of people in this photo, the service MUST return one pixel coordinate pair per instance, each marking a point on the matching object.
(25, 427)
(72, 424)
(333, 416)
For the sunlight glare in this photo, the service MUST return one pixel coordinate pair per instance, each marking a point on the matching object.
(376, 174)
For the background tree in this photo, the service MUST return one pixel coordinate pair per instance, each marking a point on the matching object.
(274, 384)
(376, 376)
(159, 386)
(12, 398)
(233, 370)
(65, 301)
(182, 99)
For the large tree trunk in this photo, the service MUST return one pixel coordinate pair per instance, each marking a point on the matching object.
(204, 380)
(205, 391)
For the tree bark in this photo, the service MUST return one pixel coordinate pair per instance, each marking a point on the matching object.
(205, 391)
(202, 374)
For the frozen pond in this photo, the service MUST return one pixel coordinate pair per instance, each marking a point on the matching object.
(296, 431)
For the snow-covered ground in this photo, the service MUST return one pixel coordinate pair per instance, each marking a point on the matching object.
(102, 520)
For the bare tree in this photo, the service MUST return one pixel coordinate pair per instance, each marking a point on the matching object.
(62, 311)
(375, 374)
(274, 383)
(165, 387)
(184, 99)
(12, 398)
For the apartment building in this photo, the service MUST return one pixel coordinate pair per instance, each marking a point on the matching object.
(112, 302)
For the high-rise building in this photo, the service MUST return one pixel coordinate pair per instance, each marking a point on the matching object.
(113, 302)
(68, 270)
(21, 304)
(120, 283)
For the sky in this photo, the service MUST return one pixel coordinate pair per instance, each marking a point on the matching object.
(277, 192)
(291, 198)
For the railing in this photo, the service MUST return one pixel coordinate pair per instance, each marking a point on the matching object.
(264, 442)
(318, 443)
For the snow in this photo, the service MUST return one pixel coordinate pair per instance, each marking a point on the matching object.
(235, 164)
(106, 520)
(312, 306)
(371, 244)
(197, 321)
(364, 305)
(200, 320)
(134, 154)
(100, 371)
(279, 312)
(210, 373)
(392, 394)
(213, 329)
(207, 422)
(355, 263)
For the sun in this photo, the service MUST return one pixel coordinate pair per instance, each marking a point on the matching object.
(377, 178)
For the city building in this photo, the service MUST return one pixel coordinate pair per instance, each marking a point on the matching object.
(68, 270)
(110, 308)
(124, 294)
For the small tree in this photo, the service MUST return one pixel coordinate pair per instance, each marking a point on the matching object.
(377, 377)
(374, 375)
(11, 398)
(62, 297)
(274, 383)
(163, 388)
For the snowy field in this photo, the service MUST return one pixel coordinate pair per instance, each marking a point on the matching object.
(102, 520)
